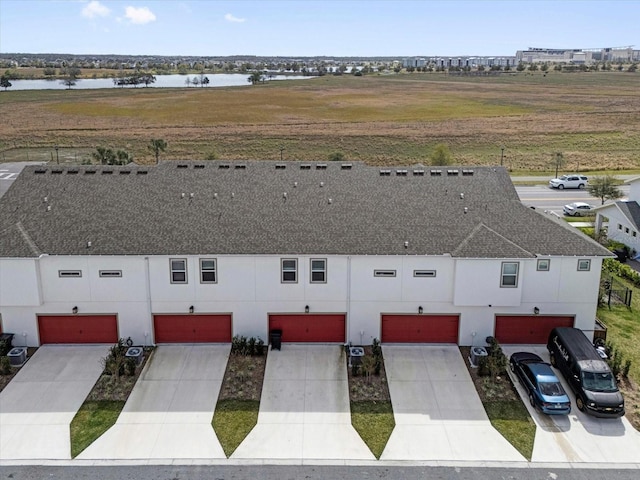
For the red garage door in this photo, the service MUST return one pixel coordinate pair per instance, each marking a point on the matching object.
(420, 328)
(78, 328)
(192, 328)
(528, 328)
(309, 327)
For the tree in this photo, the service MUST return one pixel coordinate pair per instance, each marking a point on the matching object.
(521, 66)
(205, 81)
(4, 82)
(605, 188)
(104, 156)
(441, 155)
(255, 77)
(336, 157)
(559, 161)
(70, 77)
(157, 145)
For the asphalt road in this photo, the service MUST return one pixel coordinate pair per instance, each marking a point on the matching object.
(9, 172)
(545, 198)
(279, 472)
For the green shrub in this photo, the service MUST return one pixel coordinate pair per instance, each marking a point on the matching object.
(5, 366)
(611, 265)
(5, 347)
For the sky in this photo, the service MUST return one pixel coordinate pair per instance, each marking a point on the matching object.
(332, 28)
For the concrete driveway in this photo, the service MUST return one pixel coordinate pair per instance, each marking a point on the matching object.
(577, 437)
(37, 407)
(169, 412)
(438, 413)
(304, 409)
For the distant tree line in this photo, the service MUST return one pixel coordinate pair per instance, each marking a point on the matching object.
(134, 80)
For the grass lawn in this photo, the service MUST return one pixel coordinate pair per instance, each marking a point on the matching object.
(233, 420)
(374, 422)
(512, 420)
(92, 420)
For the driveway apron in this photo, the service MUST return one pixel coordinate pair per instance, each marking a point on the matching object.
(304, 408)
(576, 437)
(438, 413)
(37, 406)
(169, 411)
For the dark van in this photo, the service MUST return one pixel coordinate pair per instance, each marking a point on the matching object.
(586, 372)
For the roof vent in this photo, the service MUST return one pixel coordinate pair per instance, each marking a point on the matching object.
(346, 166)
(466, 210)
(295, 184)
(182, 195)
(107, 172)
(385, 173)
(191, 195)
(284, 195)
(280, 166)
(401, 173)
(321, 166)
(215, 195)
(90, 172)
(142, 172)
(467, 172)
(462, 195)
(199, 166)
(88, 244)
(182, 165)
(241, 167)
(56, 171)
(48, 208)
(435, 173)
(125, 172)
(406, 244)
(452, 172)
(45, 199)
(223, 166)
(72, 172)
(330, 201)
(40, 171)
(322, 184)
(305, 166)
(418, 173)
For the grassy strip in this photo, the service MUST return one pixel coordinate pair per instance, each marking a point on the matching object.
(374, 422)
(590, 218)
(511, 419)
(232, 422)
(92, 420)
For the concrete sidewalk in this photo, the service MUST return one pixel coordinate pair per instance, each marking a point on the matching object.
(38, 405)
(304, 409)
(169, 412)
(438, 413)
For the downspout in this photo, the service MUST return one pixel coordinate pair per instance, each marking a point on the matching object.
(349, 295)
(149, 309)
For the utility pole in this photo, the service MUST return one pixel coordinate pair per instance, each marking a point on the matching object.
(57, 158)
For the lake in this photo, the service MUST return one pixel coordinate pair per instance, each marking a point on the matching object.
(162, 81)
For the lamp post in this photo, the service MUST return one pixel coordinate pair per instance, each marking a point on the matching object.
(281, 150)
(57, 158)
(501, 155)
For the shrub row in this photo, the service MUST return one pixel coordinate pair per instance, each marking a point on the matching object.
(625, 271)
(249, 347)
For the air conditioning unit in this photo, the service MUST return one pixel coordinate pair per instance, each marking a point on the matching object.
(135, 352)
(355, 355)
(476, 354)
(17, 356)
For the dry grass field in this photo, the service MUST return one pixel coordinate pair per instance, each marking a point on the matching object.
(592, 118)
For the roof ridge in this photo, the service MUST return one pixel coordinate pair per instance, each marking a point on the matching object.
(475, 230)
(27, 238)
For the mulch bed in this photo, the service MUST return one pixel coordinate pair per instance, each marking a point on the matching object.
(243, 377)
(372, 388)
(490, 388)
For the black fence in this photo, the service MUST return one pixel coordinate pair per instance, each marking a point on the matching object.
(612, 289)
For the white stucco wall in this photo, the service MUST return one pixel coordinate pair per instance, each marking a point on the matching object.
(614, 232)
(19, 282)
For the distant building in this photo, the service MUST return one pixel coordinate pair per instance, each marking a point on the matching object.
(578, 55)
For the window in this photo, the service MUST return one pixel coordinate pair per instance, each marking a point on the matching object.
(619, 227)
(384, 273)
(69, 273)
(424, 273)
(626, 230)
(634, 234)
(584, 265)
(509, 277)
(318, 270)
(289, 270)
(544, 264)
(208, 273)
(178, 270)
(110, 273)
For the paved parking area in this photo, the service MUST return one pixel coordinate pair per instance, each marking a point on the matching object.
(169, 411)
(9, 171)
(438, 413)
(37, 406)
(304, 409)
(577, 437)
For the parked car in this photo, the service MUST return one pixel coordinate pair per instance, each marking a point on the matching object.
(586, 372)
(569, 181)
(577, 209)
(543, 387)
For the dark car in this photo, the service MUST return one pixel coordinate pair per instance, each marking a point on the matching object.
(543, 387)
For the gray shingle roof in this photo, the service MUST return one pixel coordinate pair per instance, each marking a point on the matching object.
(631, 210)
(204, 208)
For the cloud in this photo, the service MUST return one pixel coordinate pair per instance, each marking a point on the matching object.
(230, 18)
(95, 9)
(140, 15)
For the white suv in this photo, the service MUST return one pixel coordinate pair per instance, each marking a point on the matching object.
(569, 181)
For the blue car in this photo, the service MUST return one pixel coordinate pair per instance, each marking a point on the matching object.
(543, 387)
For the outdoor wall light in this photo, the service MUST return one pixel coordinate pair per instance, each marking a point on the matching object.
(191, 309)
(536, 310)
(420, 310)
(74, 310)
(306, 309)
